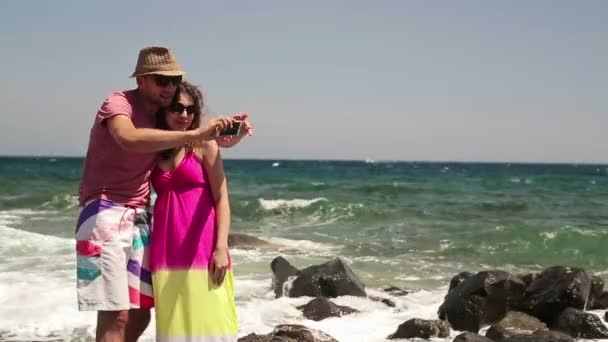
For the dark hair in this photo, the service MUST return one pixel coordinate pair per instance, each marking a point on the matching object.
(197, 97)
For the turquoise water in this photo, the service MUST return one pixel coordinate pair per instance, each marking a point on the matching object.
(437, 215)
(412, 225)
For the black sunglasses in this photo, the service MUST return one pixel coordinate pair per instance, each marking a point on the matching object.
(179, 108)
(163, 81)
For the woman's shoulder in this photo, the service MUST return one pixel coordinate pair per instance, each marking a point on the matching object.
(206, 149)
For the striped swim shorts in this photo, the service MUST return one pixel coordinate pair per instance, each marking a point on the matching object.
(113, 257)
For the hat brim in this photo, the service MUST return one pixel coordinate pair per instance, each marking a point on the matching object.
(163, 73)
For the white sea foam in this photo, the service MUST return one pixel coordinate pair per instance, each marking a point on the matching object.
(41, 300)
(303, 245)
(37, 296)
(39, 303)
(70, 201)
(289, 203)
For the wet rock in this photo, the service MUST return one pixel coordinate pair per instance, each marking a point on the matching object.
(580, 324)
(519, 321)
(332, 279)
(459, 278)
(481, 300)
(600, 303)
(555, 289)
(541, 336)
(527, 278)
(471, 337)
(597, 289)
(385, 301)
(396, 291)
(290, 333)
(499, 334)
(421, 328)
(320, 308)
(282, 270)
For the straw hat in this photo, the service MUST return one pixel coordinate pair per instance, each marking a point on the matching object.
(157, 60)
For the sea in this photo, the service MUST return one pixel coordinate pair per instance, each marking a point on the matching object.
(413, 225)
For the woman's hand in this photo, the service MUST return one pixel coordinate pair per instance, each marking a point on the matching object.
(219, 265)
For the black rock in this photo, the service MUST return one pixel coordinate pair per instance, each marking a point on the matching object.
(520, 321)
(527, 278)
(329, 280)
(421, 328)
(290, 333)
(600, 303)
(459, 278)
(597, 289)
(554, 290)
(320, 308)
(481, 300)
(384, 301)
(395, 291)
(498, 333)
(471, 337)
(281, 271)
(580, 324)
(541, 336)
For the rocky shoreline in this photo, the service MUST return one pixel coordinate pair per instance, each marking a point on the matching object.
(551, 305)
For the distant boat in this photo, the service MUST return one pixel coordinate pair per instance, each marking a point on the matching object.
(369, 160)
(275, 164)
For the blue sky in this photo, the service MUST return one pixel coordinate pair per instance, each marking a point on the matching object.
(388, 80)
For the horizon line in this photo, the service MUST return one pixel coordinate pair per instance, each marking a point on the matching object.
(363, 160)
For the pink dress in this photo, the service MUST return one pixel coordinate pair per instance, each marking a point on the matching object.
(189, 307)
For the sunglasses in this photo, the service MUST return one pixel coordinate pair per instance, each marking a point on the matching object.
(179, 108)
(163, 81)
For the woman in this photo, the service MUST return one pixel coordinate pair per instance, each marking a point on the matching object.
(191, 268)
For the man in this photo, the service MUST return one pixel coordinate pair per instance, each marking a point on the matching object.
(113, 229)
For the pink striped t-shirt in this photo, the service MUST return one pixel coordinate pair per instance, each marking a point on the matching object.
(110, 172)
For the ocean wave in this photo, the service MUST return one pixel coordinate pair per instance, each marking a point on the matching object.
(62, 202)
(289, 203)
(506, 206)
(7, 218)
(15, 217)
(315, 212)
(393, 188)
(303, 245)
(39, 200)
(517, 180)
(11, 197)
(283, 246)
(568, 231)
(359, 188)
(304, 187)
(17, 243)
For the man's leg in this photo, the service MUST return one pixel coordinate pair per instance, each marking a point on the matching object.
(138, 321)
(111, 326)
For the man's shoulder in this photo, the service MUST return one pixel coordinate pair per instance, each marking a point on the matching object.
(118, 102)
(120, 96)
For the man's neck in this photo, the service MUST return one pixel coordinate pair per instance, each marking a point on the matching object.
(149, 109)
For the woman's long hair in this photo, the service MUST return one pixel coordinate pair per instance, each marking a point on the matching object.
(197, 97)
